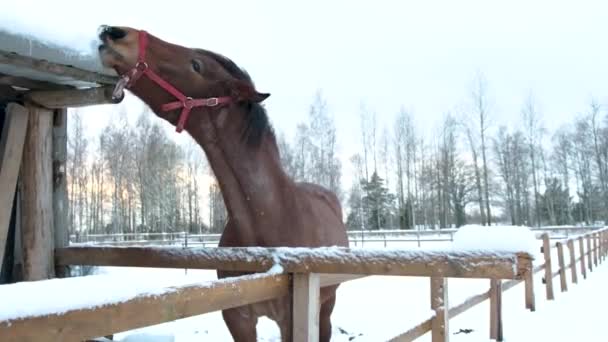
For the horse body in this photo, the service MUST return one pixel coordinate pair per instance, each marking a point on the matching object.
(219, 107)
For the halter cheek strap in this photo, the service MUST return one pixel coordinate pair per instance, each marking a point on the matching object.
(129, 79)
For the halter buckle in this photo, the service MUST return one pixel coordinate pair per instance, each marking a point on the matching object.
(212, 102)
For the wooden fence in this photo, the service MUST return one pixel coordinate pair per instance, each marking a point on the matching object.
(589, 257)
(305, 271)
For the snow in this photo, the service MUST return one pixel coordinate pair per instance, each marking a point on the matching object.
(29, 299)
(488, 238)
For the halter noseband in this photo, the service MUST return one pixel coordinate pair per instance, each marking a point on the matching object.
(185, 102)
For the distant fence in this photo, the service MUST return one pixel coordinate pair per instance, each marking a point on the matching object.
(356, 238)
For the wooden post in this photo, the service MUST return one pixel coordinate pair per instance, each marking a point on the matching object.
(582, 252)
(306, 307)
(595, 248)
(529, 287)
(496, 310)
(439, 302)
(37, 210)
(12, 139)
(572, 261)
(562, 267)
(60, 191)
(589, 253)
(548, 272)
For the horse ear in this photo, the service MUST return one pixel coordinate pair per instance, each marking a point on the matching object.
(243, 91)
(259, 97)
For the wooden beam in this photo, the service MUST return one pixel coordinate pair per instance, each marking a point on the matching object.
(27, 83)
(57, 99)
(306, 306)
(12, 139)
(414, 332)
(440, 330)
(302, 260)
(37, 196)
(60, 191)
(145, 310)
(55, 68)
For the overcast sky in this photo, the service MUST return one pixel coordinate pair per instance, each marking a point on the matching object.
(420, 55)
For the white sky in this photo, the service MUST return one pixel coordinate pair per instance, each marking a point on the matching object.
(421, 55)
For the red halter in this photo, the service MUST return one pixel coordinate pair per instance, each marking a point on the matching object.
(185, 102)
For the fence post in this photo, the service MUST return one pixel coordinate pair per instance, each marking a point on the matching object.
(305, 322)
(589, 253)
(439, 302)
(548, 272)
(496, 309)
(572, 261)
(529, 287)
(562, 267)
(582, 252)
(595, 248)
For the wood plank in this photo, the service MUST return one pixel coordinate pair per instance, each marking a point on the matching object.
(562, 267)
(496, 310)
(302, 260)
(54, 68)
(146, 310)
(57, 99)
(440, 327)
(12, 139)
(60, 191)
(306, 306)
(582, 258)
(37, 196)
(27, 83)
(571, 250)
(548, 271)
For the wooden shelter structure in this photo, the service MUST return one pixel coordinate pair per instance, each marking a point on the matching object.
(38, 82)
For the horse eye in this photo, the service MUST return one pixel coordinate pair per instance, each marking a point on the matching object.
(196, 65)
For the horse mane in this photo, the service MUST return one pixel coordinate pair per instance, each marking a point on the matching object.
(257, 123)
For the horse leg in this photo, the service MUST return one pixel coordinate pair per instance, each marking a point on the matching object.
(241, 324)
(325, 319)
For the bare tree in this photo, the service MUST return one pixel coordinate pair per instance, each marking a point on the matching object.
(534, 131)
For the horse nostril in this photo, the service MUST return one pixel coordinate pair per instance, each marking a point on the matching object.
(112, 32)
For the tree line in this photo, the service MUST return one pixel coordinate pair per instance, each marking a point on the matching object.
(137, 179)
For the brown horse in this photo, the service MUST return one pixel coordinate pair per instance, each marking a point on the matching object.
(217, 104)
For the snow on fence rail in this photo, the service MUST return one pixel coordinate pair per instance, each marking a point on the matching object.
(309, 268)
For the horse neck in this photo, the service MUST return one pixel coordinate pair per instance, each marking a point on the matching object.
(251, 179)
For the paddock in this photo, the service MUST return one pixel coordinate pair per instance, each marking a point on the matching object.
(39, 82)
